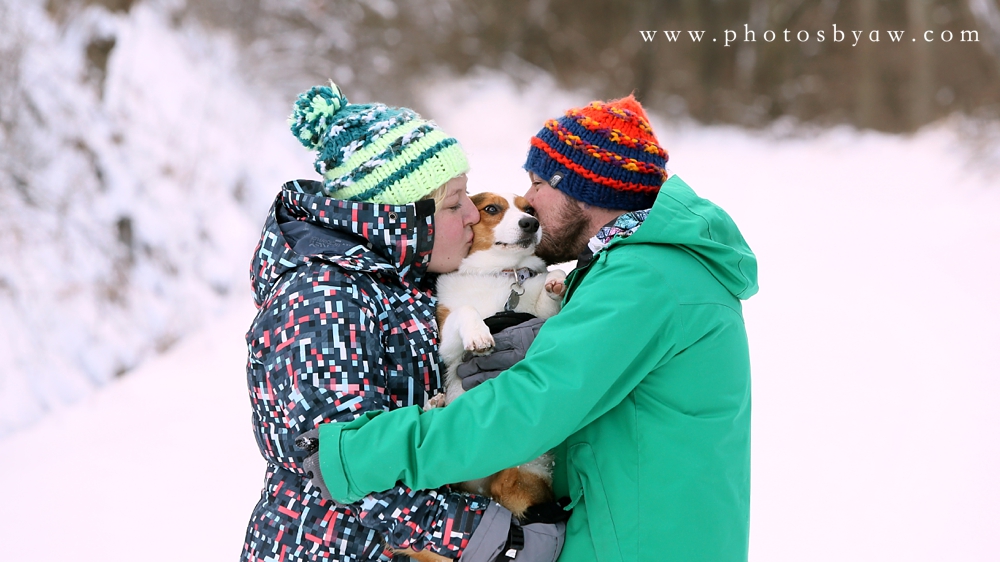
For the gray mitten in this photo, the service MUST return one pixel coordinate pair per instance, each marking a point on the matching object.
(499, 537)
(510, 346)
(309, 442)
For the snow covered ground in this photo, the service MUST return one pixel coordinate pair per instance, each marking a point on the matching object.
(873, 339)
(159, 465)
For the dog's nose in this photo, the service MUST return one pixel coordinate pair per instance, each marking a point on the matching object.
(528, 224)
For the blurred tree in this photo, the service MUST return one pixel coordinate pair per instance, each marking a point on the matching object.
(867, 61)
(922, 66)
(15, 117)
(384, 47)
(987, 14)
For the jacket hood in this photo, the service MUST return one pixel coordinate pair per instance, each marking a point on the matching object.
(304, 225)
(699, 227)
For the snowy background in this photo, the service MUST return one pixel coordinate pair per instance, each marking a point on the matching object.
(131, 209)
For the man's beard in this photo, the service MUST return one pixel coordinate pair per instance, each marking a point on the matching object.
(567, 244)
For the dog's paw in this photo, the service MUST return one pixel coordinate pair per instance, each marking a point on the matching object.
(436, 401)
(555, 289)
(479, 341)
(555, 285)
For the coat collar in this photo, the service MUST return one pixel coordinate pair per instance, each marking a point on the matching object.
(622, 227)
(305, 225)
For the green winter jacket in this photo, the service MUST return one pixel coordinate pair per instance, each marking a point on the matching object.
(641, 385)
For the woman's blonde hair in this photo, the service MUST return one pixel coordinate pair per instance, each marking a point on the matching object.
(439, 194)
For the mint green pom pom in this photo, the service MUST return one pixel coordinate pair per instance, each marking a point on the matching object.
(314, 112)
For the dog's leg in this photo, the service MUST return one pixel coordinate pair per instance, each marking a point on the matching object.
(464, 330)
(550, 300)
(452, 384)
(450, 343)
(471, 330)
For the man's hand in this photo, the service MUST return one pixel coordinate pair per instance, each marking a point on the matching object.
(510, 346)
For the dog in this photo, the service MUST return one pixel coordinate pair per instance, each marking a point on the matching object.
(500, 274)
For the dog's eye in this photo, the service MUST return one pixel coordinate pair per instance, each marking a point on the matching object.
(530, 210)
(491, 209)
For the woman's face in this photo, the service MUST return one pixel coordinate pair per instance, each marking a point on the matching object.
(453, 227)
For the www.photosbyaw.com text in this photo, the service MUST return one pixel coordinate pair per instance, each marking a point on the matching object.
(838, 35)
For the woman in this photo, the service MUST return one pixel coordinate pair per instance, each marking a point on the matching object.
(345, 325)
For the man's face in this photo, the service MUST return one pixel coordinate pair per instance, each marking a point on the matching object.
(565, 227)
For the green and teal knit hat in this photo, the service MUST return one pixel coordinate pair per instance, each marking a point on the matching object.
(373, 152)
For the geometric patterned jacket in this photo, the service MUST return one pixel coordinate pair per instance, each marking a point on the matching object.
(345, 325)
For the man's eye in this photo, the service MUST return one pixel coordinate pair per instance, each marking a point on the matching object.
(491, 209)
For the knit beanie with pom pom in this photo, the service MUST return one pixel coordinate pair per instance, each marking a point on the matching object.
(604, 154)
(372, 152)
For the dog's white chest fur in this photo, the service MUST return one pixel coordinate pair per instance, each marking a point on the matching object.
(470, 298)
(482, 286)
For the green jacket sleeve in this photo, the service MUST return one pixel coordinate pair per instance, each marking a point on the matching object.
(614, 330)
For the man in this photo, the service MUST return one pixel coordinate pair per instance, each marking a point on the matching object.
(641, 385)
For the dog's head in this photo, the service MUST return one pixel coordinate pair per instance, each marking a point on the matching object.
(506, 223)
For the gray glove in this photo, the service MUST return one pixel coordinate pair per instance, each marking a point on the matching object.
(309, 442)
(509, 346)
(499, 537)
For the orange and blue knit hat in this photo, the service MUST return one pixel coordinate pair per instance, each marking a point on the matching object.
(373, 152)
(604, 154)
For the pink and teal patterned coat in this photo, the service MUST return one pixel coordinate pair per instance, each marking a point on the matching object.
(345, 325)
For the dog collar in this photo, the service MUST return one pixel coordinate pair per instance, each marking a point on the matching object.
(519, 275)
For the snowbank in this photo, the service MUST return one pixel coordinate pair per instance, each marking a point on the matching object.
(137, 191)
(160, 465)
